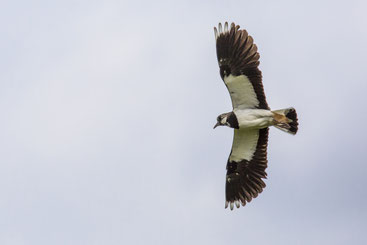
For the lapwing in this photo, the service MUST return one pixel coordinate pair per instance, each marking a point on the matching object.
(250, 117)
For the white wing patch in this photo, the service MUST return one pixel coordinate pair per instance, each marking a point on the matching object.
(244, 144)
(242, 92)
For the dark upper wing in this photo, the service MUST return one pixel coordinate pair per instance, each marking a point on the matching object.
(238, 60)
(246, 166)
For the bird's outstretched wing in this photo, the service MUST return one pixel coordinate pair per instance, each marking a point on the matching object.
(238, 61)
(246, 166)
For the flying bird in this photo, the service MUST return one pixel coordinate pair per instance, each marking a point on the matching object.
(251, 116)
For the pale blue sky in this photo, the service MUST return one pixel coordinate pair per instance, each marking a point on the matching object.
(107, 109)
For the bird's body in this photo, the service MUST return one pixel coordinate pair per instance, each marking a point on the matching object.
(251, 116)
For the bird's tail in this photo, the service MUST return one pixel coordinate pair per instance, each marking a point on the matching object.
(286, 120)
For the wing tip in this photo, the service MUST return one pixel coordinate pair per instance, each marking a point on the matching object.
(235, 203)
(223, 29)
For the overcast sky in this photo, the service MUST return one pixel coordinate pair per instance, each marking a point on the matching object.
(107, 113)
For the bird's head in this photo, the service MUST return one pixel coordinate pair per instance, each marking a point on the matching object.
(222, 120)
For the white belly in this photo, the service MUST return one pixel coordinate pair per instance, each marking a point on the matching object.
(254, 118)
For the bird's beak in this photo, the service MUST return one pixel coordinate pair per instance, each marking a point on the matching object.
(216, 125)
